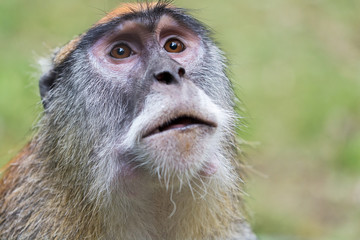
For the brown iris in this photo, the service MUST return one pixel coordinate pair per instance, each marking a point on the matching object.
(174, 45)
(121, 51)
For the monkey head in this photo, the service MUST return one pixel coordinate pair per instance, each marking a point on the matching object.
(142, 96)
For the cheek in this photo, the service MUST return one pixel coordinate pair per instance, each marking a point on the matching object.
(190, 57)
(118, 74)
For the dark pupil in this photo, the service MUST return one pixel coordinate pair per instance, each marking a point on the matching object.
(120, 51)
(173, 45)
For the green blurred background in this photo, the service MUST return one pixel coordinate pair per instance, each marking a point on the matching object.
(295, 65)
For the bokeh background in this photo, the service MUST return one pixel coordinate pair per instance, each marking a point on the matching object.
(295, 65)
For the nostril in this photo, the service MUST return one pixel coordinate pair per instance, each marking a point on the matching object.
(164, 77)
(169, 77)
(181, 72)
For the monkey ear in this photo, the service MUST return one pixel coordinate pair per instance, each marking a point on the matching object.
(45, 84)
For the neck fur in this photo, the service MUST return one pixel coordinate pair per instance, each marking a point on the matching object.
(195, 212)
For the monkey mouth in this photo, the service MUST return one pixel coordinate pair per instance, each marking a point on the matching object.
(180, 123)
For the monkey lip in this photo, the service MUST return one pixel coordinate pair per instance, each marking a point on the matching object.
(180, 123)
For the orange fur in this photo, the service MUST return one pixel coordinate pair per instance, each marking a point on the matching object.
(127, 8)
(66, 50)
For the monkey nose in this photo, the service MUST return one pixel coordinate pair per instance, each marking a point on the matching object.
(169, 77)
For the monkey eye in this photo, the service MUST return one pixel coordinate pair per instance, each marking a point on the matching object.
(121, 51)
(174, 45)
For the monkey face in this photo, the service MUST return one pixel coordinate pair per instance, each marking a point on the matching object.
(176, 121)
(153, 87)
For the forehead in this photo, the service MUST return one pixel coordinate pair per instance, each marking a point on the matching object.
(131, 8)
(164, 24)
(148, 14)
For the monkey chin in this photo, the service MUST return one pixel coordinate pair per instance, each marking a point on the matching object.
(181, 150)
